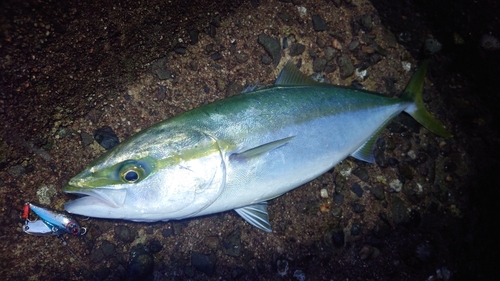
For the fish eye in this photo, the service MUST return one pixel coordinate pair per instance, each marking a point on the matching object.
(131, 172)
(131, 176)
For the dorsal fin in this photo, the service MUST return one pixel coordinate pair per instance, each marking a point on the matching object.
(290, 75)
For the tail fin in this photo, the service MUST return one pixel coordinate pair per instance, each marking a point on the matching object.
(413, 92)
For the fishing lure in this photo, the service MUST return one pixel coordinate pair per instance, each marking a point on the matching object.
(50, 223)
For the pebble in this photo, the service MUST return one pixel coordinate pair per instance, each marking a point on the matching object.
(334, 237)
(329, 53)
(356, 229)
(356, 189)
(345, 66)
(141, 264)
(159, 68)
(106, 137)
(299, 275)
(282, 267)
(242, 57)
(366, 22)
(87, 139)
(216, 56)
(212, 242)
(432, 46)
(154, 246)
(324, 193)
(490, 42)
(203, 263)
(297, 49)
(124, 234)
(272, 47)
(361, 174)
(180, 50)
(319, 24)
(357, 208)
(399, 213)
(378, 192)
(319, 64)
(16, 171)
(108, 248)
(193, 36)
(232, 243)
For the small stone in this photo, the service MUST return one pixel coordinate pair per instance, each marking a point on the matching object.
(180, 50)
(378, 192)
(329, 53)
(242, 57)
(193, 36)
(87, 139)
(16, 171)
(356, 189)
(141, 264)
(356, 229)
(366, 22)
(232, 243)
(490, 42)
(319, 24)
(203, 263)
(272, 47)
(221, 84)
(282, 267)
(265, 59)
(124, 234)
(353, 45)
(108, 248)
(159, 68)
(365, 252)
(357, 208)
(286, 18)
(212, 242)
(216, 56)
(106, 137)
(324, 193)
(361, 174)
(297, 49)
(154, 246)
(345, 65)
(319, 64)
(399, 213)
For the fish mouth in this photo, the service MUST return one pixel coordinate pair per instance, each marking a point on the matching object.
(114, 198)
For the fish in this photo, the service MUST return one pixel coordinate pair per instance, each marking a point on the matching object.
(50, 222)
(240, 152)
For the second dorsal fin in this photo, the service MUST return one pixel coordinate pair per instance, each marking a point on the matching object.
(290, 75)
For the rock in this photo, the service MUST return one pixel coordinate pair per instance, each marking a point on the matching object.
(216, 56)
(357, 208)
(87, 139)
(193, 36)
(356, 189)
(16, 171)
(124, 234)
(329, 53)
(356, 229)
(141, 264)
(180, 50)
(378, 192)
(154, 246)
(282, 267)
(489, 43)
(106, 137)
(361, 174)
(297, 49)
(319, 24)
(242, 57)
(272, 47)
(345, 65)
(212, 242)
(232, 243)
(203, 263)
(159, 68)
(366, 22)
(334, 237)
(319, 64)
(399, 213)
(108, 248)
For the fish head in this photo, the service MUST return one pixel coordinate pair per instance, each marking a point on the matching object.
(158, 174)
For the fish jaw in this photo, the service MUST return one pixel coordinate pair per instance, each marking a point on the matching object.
(95, 207)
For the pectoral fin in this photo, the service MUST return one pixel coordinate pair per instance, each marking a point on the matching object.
(256, 215)
(252, 152)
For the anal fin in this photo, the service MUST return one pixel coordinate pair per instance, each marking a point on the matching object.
(256, 215)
